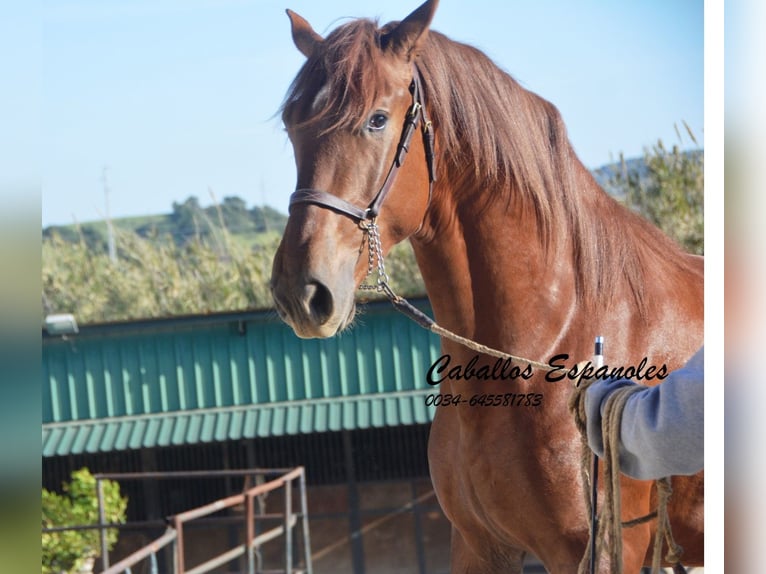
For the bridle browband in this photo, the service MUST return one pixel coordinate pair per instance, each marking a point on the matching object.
(416, 112)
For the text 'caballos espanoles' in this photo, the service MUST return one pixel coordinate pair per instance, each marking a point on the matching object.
(505, 369)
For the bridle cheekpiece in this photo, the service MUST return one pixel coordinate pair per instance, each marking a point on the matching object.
(416, 112)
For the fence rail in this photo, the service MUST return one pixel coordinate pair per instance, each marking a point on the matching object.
(148, 551)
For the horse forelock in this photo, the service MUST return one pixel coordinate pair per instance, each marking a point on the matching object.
(339, 84)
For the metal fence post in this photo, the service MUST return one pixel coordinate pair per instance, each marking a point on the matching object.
(305, 523)
(101, 523)
(250, 534)
(179, 526)
(174, 550)
(288, 528)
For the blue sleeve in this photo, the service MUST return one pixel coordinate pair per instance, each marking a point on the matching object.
(662, 430)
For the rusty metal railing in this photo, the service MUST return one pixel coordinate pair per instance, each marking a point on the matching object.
(149, 551)
(175, 534)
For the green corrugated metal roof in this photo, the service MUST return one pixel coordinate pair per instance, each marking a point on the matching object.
(234, 423)
(212, 378)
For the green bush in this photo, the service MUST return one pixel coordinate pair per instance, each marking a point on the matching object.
(154, 277)
(68, 550)
(668, 190)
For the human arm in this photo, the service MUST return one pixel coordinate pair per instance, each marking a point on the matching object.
(662, 429)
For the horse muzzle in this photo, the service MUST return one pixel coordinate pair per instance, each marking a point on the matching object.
(310, 305)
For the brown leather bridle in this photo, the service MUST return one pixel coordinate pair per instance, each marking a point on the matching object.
(416, 112)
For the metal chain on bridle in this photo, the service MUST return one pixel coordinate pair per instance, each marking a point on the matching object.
(375, 255)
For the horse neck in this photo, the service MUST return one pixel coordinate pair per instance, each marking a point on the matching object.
(490, 278)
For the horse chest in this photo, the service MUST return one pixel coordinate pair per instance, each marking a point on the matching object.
(485, 473)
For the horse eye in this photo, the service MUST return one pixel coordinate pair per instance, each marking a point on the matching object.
(377, 121)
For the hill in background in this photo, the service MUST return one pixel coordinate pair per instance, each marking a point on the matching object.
(258, 225)
(186, 222)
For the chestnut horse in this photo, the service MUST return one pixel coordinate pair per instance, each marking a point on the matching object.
(520, 250)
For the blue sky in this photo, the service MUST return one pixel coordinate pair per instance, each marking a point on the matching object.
(178, 97)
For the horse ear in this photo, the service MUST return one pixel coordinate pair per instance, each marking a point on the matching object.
(408, 35)
(306, 40)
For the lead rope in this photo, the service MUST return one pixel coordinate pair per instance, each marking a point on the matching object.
(381, 285)
(609, 524)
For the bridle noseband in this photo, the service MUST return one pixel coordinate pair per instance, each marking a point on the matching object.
(416, 112)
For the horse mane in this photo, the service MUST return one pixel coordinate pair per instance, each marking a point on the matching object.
(496, 141)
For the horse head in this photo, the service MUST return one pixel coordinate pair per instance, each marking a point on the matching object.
(347, 114)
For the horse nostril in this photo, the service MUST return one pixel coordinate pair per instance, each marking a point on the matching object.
(320, 302)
